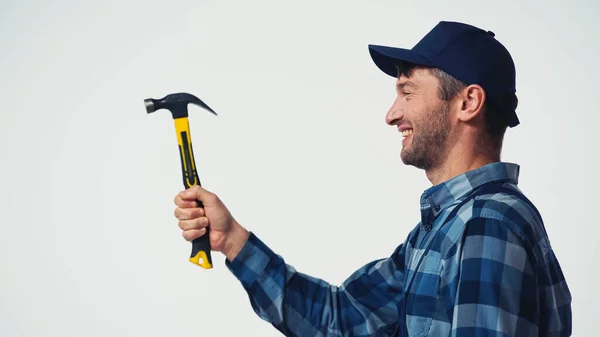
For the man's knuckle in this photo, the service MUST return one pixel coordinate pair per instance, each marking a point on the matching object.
(212, 198)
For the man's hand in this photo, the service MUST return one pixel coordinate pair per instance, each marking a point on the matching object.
(226, 235)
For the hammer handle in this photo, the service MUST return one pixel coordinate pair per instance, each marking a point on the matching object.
(201, 246)
(201, 249)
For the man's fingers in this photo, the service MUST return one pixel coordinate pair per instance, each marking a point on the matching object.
(198, 193)
(180, 202)
(193, 223)
(192, 234)
(188, 213)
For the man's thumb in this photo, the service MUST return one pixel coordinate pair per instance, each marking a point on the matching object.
(196, 193)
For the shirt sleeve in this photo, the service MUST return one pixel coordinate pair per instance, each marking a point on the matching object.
(496, 287)
(301, 305)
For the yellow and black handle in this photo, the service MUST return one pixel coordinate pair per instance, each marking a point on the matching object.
(177, 104)
(200, 246)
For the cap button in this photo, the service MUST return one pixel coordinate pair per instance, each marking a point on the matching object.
(491, 33)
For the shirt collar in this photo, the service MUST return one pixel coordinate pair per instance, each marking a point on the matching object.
(438, 197)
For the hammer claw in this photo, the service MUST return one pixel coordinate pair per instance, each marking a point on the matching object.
(202, 104)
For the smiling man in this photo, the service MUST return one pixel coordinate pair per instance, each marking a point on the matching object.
(479, 261)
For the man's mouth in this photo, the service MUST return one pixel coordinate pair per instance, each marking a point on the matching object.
(407, 132)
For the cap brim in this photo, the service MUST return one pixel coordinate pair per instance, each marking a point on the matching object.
(386, 58)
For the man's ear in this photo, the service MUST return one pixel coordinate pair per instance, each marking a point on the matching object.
(472, 98)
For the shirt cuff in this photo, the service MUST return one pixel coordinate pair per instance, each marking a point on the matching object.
(251, 261)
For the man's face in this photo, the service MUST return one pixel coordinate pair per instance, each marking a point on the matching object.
(423, 119)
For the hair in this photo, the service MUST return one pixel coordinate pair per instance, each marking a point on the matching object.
(495, 115)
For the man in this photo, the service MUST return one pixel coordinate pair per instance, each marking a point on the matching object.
(479, 263)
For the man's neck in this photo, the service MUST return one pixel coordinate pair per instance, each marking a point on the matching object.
(456, 164)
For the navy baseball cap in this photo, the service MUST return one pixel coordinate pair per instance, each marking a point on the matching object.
(468, 53)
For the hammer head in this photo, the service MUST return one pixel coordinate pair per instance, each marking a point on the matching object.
(176, 103)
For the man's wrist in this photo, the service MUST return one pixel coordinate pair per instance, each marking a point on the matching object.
(236, 239)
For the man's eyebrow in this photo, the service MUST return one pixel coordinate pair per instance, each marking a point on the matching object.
(401, 85)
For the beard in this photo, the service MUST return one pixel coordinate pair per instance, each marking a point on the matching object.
(428, 145)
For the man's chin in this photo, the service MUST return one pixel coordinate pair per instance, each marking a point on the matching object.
(405, 157)
(409, 159)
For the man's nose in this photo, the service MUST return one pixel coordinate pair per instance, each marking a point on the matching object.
(394, 114)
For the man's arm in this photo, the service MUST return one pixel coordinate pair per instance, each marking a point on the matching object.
(300, 305)
(295, 303)
(497, 292)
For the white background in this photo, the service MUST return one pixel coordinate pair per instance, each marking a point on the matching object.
(300, 151)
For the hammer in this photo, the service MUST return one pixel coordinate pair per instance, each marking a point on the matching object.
(177, 103)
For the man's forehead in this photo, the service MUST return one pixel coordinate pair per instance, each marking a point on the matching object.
(416, 78)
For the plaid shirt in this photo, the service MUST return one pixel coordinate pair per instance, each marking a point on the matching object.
(479, 263)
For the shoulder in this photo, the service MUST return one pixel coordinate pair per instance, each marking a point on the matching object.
(504, 211)
(505, 202)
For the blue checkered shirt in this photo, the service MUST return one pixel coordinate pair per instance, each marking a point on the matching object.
(479, 263)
